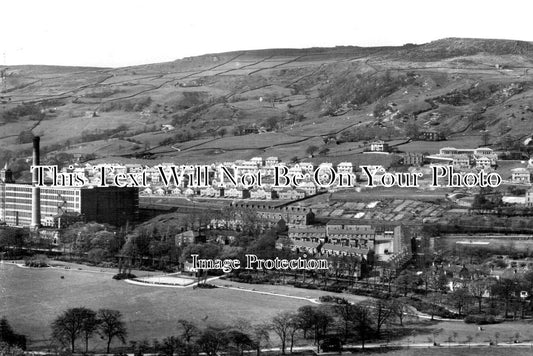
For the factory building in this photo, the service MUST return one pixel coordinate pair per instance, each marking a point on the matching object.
(111, 205)
(27, 205)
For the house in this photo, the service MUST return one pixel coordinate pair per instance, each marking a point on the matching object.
(160, 191)
(412, 159)
(431, 135)
(167, 128)
(345, 167)
(209, 192)
(237, 193)
(520, 175)
(271, 161)
(257, 160)
(309, 188)
(259, 193)
(291, 194)
(461, 161)
(529, 198)
(483, 162)
(189, 191)
(379, 146)
(189, 237)
(175, 191)
(146, 191)
(306, 167)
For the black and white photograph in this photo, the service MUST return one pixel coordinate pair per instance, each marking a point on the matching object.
(242, 177)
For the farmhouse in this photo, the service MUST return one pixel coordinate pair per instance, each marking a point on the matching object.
(379, 146)
(431, 135)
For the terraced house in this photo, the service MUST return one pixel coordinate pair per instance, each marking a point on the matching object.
(369, 242)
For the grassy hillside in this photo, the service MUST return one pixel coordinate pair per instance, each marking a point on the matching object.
(227, 102)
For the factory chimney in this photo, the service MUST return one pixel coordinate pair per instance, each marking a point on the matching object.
(35, 190)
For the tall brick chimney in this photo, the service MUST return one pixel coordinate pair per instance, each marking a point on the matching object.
(35, 190)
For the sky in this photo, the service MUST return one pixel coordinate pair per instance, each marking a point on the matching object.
(115, 33)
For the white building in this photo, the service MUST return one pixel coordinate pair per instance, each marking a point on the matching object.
(520, 176)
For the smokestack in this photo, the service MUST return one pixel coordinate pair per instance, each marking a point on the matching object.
(35, 190)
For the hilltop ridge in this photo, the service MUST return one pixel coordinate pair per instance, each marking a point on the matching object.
(215, 105)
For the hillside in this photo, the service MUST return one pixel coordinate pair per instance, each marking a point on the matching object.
(275, 102)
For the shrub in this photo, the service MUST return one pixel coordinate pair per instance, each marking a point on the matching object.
(37, 261)
(206, 286)
(332, 299)
(120, 276)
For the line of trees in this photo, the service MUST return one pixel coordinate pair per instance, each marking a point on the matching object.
(83, 323)
(338, 322)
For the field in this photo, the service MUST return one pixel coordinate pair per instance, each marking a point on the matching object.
(31, 299)
(482, 351)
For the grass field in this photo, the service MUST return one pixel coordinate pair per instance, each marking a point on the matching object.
(30, 299)
(481, 351)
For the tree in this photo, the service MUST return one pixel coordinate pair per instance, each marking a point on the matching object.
(111, 326)
(412, 130)
(362, 316)
(222, 132)
(505, 289)
(9, 337)
(311, 150)
(344, 311)
(281, 325)
(89, 326)
(323, 151)
(67, 327)
(9, 350)
(382, 312)
(188, 331)
(477, 290)
(439, 282)
(434, 300)
(260, 336)
(459, 299)
(399, 310)
(213, 340)
(295, 325)
(406, 282)
(314, 318)
(271, 123)
(240, 340)
(12, 237)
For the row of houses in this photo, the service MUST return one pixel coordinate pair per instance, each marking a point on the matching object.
(372, 243)
(466, 158)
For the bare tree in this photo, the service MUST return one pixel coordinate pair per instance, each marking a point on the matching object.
(477, 290)
(260, 336)
(188, 330)
(361, 315)
(111, 326)
(381, 312)
(281, 325)
(399, 310)
(68, 327)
